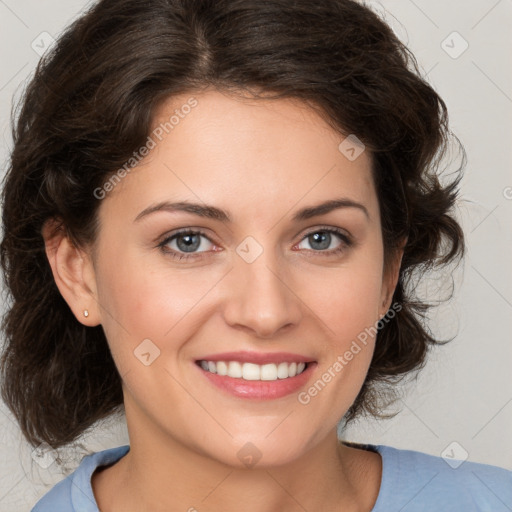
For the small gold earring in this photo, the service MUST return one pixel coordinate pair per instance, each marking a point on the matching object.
(86, 313)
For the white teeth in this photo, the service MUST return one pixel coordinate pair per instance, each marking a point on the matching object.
(282, 371)
(270, 372)
(222, 368)
(251, 371)
(234, 369)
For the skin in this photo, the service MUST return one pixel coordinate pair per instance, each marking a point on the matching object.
(261, 160)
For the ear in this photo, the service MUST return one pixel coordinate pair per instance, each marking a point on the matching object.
(73, 272)
(390, 278)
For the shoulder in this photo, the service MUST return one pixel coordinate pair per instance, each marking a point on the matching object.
(74, 493)
(413, 481)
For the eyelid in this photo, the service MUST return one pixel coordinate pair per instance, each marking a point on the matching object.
(335, 229)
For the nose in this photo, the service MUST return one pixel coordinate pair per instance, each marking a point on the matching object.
(261, 298)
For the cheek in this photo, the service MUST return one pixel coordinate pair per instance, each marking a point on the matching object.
(348, 301)
(142, 300)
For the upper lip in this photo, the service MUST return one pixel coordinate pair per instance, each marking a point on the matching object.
(258, 357)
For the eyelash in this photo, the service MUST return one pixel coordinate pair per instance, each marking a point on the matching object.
(346, 242)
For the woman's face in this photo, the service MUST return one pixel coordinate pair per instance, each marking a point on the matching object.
(260, 278)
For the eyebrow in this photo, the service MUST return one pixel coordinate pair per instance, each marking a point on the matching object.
(212, 212)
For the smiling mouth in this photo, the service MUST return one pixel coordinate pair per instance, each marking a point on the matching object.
(254, 372)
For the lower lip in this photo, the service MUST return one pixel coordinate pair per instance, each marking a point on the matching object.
(260, 389)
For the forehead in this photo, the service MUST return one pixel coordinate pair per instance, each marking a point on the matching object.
(247, 155)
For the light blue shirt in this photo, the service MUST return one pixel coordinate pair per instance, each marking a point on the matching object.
(411, 482)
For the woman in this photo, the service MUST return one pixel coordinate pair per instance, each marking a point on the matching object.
(210, 218)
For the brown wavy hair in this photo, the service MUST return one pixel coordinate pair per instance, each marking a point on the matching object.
(89, 106)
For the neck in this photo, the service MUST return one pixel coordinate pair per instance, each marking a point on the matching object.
(160, 473)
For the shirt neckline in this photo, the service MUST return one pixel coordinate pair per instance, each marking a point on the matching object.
(82, 495)
(389, 472)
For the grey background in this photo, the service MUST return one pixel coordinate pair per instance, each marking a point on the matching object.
(461, 404)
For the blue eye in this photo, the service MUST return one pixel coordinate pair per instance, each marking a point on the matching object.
(322, 238)
(188, 241)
